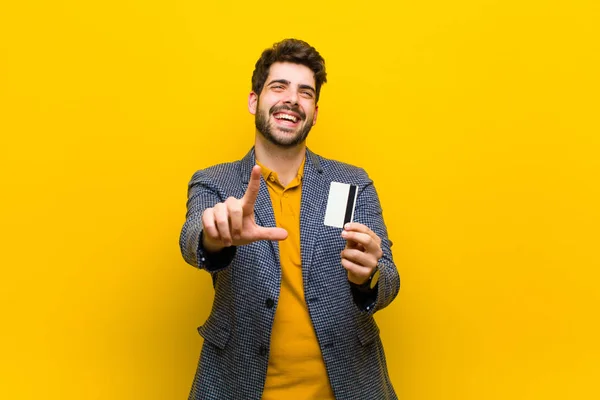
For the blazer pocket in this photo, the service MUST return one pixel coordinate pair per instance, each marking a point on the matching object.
(368, 330)
(216, 334)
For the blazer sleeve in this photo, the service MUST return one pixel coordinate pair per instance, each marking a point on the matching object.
(368, 211)
(202, 194)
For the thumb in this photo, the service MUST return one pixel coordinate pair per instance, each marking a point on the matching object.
(271, 233)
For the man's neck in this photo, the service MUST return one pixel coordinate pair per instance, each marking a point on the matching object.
(285, 161)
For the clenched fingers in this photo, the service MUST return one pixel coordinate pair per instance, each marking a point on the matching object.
(360, 258)
(208, 223)
(356, 227)
(358, 273)
(371, 244)
(222, 222)
(234, 210)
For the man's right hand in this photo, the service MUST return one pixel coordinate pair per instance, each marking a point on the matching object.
(232, 223)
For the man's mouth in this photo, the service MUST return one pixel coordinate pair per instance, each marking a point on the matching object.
(286, 118)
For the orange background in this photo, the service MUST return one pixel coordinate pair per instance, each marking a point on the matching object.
(477, 119)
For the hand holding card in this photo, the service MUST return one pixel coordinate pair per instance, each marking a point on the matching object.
(361, 255)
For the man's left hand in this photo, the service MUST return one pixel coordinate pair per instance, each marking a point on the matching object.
(362, 252)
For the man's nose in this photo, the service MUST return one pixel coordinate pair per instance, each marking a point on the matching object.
(292, 97)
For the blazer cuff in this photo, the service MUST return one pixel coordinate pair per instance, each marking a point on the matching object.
(213, 262)
(364, 297)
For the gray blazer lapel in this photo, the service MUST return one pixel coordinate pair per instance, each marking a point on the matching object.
(312, 210)
(263, 208)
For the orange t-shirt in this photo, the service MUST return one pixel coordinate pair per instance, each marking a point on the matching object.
(296, 367)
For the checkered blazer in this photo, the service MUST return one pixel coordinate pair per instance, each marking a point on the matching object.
(235, 354)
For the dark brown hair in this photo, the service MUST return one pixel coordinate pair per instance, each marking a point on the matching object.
(289, 50)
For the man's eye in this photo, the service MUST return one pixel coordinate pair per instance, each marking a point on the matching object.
(307, 94)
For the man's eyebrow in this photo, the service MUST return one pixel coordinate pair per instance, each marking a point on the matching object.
(307, 87)
(279, 81)
(286, 82)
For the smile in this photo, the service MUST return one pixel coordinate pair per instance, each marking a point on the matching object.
(285, 116)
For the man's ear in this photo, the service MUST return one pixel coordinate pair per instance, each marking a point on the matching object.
(252, 102)
(314, 122)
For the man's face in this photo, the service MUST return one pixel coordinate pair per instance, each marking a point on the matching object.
(286, 109)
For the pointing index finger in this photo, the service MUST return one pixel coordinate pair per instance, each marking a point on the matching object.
(252, 191)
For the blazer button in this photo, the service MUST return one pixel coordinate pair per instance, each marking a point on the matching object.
(263, 350)
(270, 303)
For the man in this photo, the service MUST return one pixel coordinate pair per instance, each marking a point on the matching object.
(294, 300)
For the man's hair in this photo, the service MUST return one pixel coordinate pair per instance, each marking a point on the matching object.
(293, 51)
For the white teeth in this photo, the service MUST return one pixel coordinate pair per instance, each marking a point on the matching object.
(286, 116)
